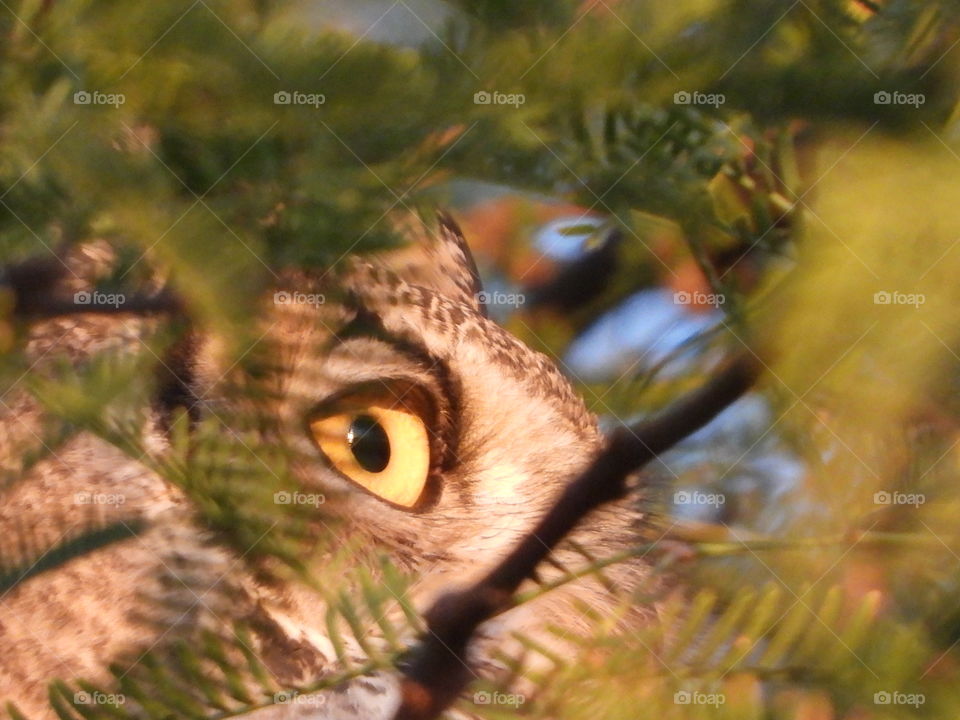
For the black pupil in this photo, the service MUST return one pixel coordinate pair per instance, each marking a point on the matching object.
(369, 443)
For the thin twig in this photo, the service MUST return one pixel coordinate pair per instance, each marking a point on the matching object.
(435, 673)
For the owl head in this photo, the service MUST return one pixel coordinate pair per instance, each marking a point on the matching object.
(431, 435)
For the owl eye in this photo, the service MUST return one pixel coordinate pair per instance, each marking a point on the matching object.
(378, 443)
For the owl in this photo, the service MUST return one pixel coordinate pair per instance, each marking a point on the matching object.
(414, 427)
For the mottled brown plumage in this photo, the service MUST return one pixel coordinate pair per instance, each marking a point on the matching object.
(509, 427)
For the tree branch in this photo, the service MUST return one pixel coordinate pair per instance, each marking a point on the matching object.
(36, 289)
(436, 671)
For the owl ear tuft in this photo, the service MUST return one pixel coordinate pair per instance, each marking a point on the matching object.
(437, 257)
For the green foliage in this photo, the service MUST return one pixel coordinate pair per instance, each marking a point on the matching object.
(798, 198)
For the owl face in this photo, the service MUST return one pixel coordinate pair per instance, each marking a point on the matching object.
(427, 426)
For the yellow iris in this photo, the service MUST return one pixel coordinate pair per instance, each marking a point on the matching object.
(379, 444)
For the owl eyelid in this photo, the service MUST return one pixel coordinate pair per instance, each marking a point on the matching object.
(385, 391)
